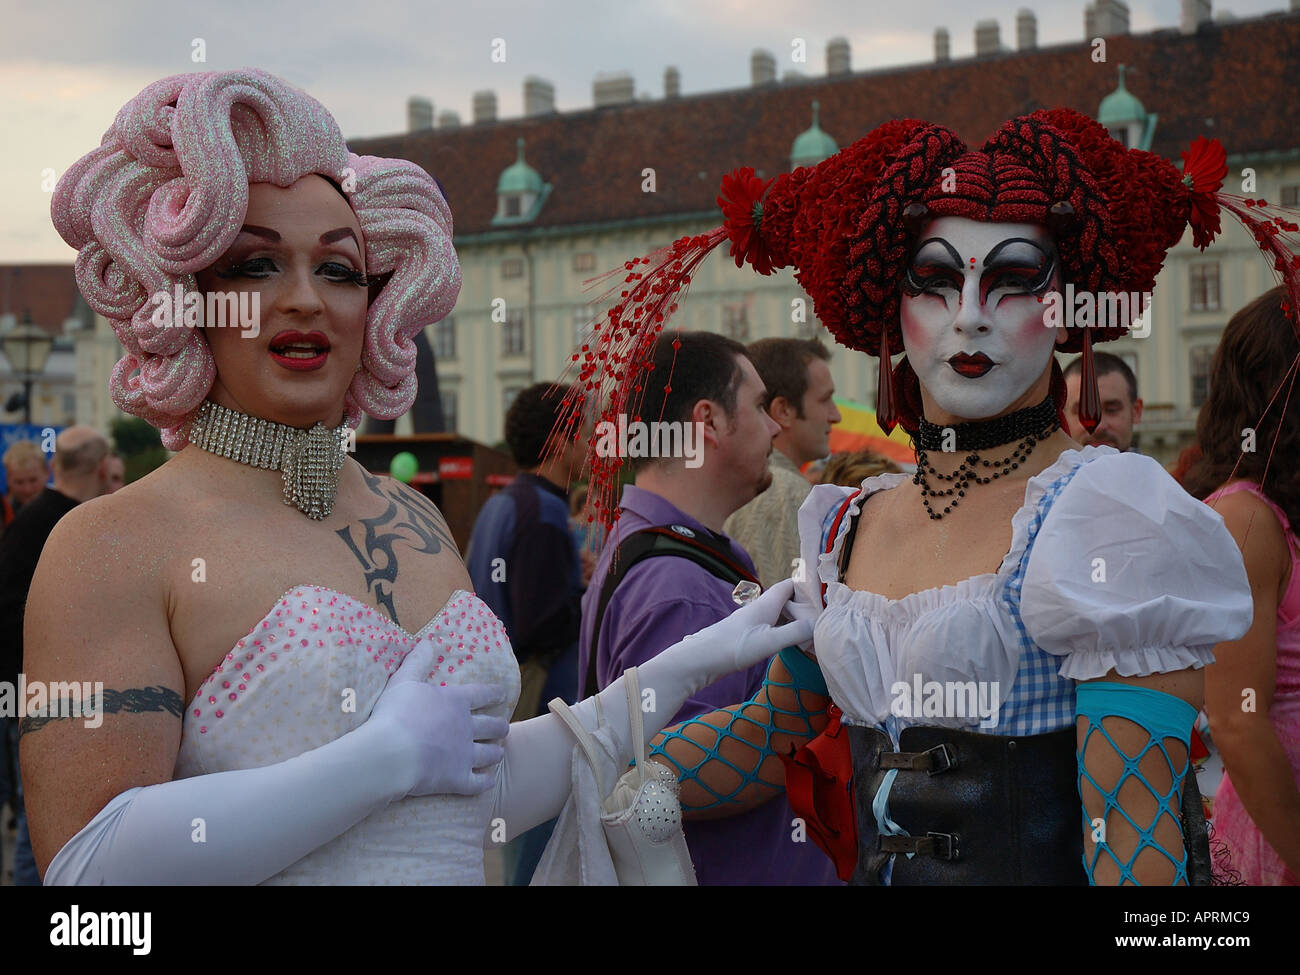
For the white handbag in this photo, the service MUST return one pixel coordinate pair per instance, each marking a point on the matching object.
(642, 815)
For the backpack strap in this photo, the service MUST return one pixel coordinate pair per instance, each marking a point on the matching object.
(711, 554)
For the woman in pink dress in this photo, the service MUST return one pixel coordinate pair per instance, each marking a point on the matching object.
(1249, 474)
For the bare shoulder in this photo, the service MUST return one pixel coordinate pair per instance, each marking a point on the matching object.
(1245, 514)
(1258, 533)
(107, 534)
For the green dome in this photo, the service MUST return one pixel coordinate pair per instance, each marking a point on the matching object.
(519, 177)
(814, 145)
(1120, 106)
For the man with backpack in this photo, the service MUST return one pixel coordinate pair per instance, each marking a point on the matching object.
(675, 570)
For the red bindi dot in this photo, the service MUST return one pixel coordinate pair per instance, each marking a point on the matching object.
(972, 262)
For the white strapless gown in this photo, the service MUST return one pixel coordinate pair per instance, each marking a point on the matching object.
(309, 672)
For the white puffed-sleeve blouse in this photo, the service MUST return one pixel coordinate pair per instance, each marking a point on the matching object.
(1112, 566)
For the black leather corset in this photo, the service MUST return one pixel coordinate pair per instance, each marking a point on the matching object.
(984, 809)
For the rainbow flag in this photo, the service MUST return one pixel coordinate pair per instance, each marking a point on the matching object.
(858, 430)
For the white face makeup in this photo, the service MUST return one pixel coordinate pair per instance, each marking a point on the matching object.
(972, 316)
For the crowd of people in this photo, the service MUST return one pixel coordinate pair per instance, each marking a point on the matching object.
(1037, 609)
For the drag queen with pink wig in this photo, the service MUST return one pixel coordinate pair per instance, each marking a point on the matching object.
(355, 731)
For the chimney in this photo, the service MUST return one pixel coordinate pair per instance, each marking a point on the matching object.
(941, 52)
(1197, 12)
(539, 97)
(447, 119)
(838, 56)
(987, 39)
(419, 114)
(1106, 18)
(613, 89)
(485, 106)
(762, 68)
(1026, 30)
(672, 83)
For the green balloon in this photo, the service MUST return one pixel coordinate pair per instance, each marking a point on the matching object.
(404, 466)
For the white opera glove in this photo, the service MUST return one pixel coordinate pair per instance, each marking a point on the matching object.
(745, 638)
(454, 748)
(800, 610)
(535, 777)
(419, 739)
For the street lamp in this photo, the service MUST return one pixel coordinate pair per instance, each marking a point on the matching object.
(27, 347)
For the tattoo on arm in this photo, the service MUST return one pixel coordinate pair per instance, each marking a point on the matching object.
(408, 517)
(135, 700)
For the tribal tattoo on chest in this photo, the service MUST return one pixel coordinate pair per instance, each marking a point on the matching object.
(409, 519)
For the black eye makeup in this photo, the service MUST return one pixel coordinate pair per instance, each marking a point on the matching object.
(1017, 266)
(935, 267)
(261, 268)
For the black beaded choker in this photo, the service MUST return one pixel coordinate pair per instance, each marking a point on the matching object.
(1028, 426)
(983, 434)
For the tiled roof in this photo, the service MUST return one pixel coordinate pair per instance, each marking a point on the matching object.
(1228, 80)
(47, 291)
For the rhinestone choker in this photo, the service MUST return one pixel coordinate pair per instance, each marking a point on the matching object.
(1028, 426)
(310, 460)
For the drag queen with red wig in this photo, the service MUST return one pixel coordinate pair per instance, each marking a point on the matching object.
(355, 731)
(1013, 638)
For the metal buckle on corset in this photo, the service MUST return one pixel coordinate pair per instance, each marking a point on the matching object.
(932, 761)
(941, 846)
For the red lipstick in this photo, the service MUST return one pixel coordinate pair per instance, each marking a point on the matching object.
(971, 366)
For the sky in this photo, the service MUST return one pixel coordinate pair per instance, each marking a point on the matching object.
(66, 68)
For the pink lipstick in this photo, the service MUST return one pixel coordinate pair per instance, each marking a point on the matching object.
(300, 351)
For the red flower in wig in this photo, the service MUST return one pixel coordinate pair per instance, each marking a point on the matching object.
(1205, 165)
(741, 201)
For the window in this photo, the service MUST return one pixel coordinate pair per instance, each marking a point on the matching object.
(583, 327)
(735, 322)
(512, 334)
(450, 410)
(1205, 286)
(584, 262)
(1202, 356)
(512, 267)
(514, 206)
(444, 339)
(1291, 195)
(509, 396)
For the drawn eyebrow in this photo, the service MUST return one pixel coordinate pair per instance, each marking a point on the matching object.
(992, 255)
(952, 252)
(330, 236)
(326, 238)
(257, 231)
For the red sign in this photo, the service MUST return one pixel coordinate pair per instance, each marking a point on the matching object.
(455, 468)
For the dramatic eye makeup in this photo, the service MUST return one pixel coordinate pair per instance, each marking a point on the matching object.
(261, 267)
(935, 267)
(1017, 266)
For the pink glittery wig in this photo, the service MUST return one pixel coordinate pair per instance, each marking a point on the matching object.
(165, 194)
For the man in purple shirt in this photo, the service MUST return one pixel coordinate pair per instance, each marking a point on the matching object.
(725, 437)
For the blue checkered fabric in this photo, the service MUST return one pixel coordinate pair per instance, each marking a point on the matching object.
(1041, 700)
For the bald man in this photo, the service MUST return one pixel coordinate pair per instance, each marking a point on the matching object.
(81, 472)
